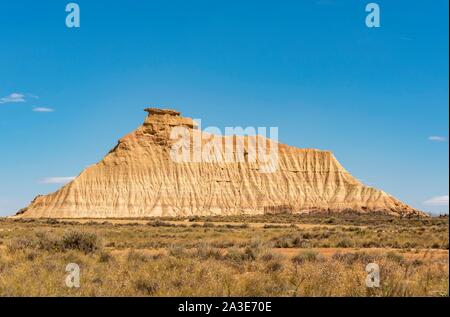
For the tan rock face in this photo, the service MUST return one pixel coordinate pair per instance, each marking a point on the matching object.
(139, 178)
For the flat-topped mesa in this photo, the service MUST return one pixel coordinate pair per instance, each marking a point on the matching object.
(167, 117)
(157, 111)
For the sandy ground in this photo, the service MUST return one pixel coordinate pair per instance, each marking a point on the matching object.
(328, 252)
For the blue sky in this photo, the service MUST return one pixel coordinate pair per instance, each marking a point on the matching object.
(374, 96)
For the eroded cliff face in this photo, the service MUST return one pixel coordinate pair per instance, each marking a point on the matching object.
(139, 178)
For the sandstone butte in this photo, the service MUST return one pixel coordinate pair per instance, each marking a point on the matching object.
(138, 178)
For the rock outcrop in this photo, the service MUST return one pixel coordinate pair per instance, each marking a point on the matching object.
(140, 178)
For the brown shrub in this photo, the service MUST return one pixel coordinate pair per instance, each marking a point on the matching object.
(146, 287)
(105, 257)
(306, 256)
(274, 266)
(351, 258)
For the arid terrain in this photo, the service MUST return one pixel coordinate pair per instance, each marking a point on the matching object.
(266, 255)
(139, 223)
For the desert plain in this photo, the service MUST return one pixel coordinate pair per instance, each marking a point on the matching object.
(321, 254)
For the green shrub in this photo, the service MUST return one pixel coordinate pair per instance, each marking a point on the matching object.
(82, 241)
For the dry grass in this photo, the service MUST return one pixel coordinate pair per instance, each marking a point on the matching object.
(216, 257)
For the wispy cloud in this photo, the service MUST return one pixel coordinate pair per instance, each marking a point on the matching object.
(43, 109)
(437, 138)
(12, 98)
(33, 96)
(57, 180)
(437, 201)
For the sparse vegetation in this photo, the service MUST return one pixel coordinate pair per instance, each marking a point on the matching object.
(269, 255)
(71, 240)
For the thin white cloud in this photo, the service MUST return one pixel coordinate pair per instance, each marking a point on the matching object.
(33, 96)
(437, 201)
(43, 109)
(437, 138)
(14, 97)
(57, 180)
